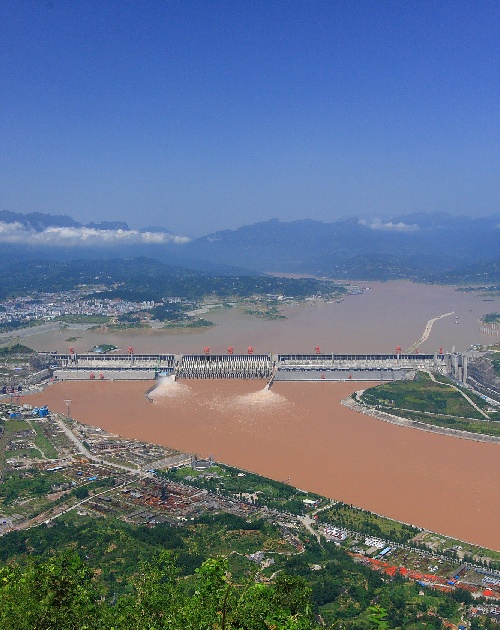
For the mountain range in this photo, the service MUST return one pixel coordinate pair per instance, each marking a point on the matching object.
(417, 246)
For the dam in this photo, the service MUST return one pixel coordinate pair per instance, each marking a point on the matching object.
(269, 366)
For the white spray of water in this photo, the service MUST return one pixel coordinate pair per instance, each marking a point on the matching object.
(168, 387)
(264, 398)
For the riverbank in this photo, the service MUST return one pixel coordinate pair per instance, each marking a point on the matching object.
(384, 416)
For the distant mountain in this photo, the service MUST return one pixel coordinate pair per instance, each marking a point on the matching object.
(38, 220)
(37, 236)
(418, 246)
(403, 247)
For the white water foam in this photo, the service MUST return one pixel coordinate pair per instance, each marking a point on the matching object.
(260, 401)
(253, 412)
(262, 398)
(168, 387)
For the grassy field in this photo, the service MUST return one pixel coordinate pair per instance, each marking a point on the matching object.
(12, 426)
(43, 443)
(434, 403)
(421, 395)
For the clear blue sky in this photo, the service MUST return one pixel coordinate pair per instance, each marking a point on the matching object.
(204, 115)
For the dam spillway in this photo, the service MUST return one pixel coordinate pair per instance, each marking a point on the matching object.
(224, 366)
(268, 366)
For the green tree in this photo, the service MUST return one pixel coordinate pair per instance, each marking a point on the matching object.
(377, 617)
(61, 594)
(81, 493)
(55, 594)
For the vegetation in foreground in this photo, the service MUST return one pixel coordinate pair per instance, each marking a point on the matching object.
(204, 575)
(63, 593)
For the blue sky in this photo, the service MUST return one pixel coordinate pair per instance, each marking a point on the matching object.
(200, 116)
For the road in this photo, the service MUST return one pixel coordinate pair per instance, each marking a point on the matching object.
(44, 517)
(460, 391)
(308, 522)
(84, 451)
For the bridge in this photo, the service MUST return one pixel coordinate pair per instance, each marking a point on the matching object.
(279, 367)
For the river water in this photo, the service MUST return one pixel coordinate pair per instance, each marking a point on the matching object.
(300, 430)
(387, 315)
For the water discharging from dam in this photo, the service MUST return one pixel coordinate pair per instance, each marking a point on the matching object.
(168, 387)
(262, 398)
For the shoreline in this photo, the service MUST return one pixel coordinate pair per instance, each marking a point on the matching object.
(383, 416)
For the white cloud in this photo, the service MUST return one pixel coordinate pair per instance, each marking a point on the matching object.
(83, 236)
(377, 224)
(7, 229)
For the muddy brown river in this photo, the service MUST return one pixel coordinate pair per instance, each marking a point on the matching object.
(301, 431)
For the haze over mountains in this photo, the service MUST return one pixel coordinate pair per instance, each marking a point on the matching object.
(435, 247)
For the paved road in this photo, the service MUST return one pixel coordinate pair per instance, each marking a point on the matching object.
(308, 522)
(84, 451)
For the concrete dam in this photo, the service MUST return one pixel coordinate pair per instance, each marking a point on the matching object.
(269, 367)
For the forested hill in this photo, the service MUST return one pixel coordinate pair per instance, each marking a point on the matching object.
(141, 279)
(108, 574)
